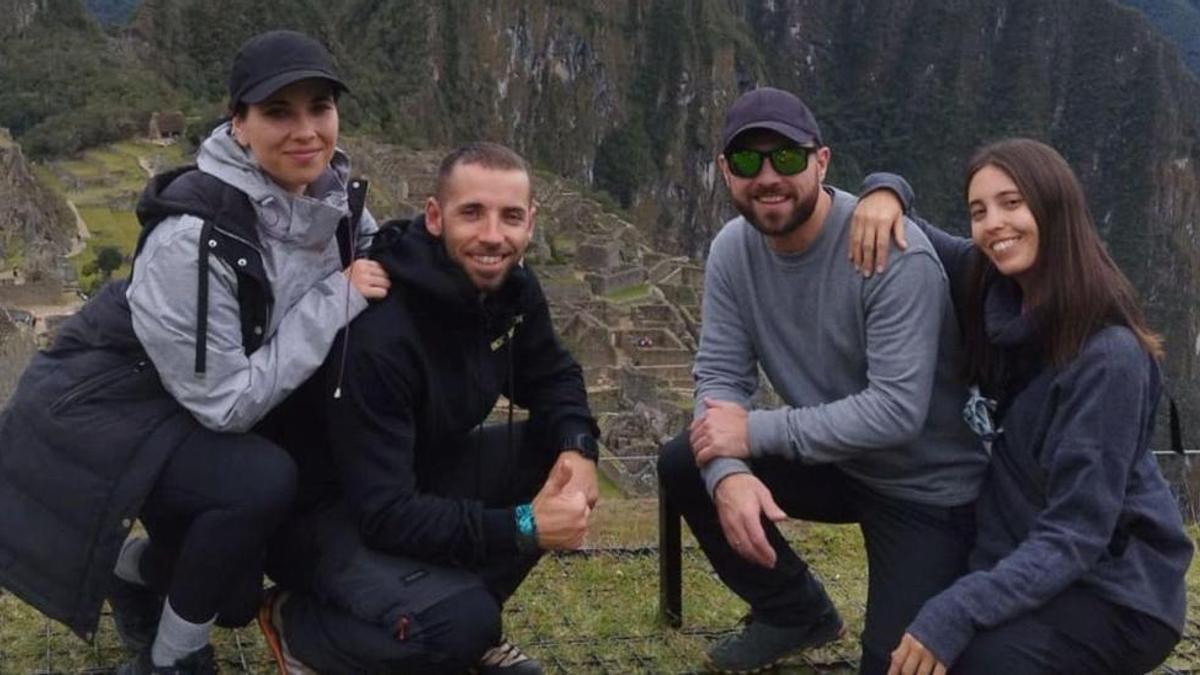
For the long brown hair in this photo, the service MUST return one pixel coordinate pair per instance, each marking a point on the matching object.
(1080, 290)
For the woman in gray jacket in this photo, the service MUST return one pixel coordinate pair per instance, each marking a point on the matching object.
(146, 405)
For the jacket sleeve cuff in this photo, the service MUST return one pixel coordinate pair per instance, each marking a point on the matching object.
(890, 181)
(341, 285)
(500, 530)
(719, 469)
(767, 433)
(942, 629)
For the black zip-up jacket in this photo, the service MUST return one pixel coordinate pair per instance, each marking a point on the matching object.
(423, 368)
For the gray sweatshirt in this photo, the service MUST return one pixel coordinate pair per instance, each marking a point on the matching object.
(312, 298)
(870, 369)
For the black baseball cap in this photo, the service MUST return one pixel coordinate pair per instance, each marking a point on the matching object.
(270, 61)
(774, 109)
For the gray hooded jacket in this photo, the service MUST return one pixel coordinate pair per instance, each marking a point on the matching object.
(312, 297)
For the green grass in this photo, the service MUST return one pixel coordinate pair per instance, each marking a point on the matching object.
(108, 227)
(628, 293)
(104, 184)
(594, 613)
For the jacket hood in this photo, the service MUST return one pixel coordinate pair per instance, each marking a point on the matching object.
(304, 219)
(417, 261)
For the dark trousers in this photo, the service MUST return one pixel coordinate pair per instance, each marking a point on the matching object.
(209, 515)
(913, 550)
(357, 610)
(1076, 632)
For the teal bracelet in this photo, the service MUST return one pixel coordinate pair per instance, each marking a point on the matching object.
(526, 527)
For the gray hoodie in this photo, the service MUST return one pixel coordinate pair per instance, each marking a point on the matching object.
(312, 297)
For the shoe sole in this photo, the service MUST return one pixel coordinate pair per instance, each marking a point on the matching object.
(711, 668)
(274, 640)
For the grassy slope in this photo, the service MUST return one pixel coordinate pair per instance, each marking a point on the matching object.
(103, 184)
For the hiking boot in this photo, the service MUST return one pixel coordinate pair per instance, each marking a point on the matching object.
(759, 645)
(200, 662)
(270, 622)
(135, 612)
(507, 659)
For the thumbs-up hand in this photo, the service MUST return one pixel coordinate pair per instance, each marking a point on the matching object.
(561, 512)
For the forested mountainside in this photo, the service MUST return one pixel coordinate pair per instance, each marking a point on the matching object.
(628, 96)
(1179, 21)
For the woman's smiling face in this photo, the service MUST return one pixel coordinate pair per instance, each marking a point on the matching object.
(292, 133)
(1002, 226)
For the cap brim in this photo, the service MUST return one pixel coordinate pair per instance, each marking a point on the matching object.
(788, 131)
(263, 90)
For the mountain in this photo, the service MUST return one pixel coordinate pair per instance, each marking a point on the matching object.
(112, 12)
(65, 84)
(36, 226)
(628, 96)
(1179, 21)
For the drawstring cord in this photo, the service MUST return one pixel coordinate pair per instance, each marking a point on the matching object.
(337, 392)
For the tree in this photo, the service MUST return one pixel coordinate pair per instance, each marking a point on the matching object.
(108, 259)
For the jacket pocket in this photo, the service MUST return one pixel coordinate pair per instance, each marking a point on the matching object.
(94, 384)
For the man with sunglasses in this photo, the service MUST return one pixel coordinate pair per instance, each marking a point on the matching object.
(870, 430)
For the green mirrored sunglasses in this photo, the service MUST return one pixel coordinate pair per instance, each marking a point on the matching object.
(788, 160)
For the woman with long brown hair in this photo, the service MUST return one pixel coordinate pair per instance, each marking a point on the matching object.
(1080, 553)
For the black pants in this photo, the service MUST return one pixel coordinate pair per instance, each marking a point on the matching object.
(913, 550)
(209, 515)
(357, 610)
(1076, 632)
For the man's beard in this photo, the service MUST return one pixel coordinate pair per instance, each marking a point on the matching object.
(802, 211)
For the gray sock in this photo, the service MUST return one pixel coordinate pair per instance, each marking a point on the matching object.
(177, 637)
(129, 558)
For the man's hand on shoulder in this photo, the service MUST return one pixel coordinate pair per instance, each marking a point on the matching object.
(742, 500)
(723, 431)
(583, 475)
(560, 512)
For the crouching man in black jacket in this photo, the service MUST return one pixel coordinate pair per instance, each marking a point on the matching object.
(416, 521)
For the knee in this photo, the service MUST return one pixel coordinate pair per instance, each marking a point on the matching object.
(992, 651)
(458, 630)
(677, 470)
(271, 484)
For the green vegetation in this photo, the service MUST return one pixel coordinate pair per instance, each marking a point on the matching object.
(624, 164)
(104, 183)
(595, 613)
(628, 293)
(57, 101)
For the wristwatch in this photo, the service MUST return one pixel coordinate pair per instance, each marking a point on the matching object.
(584, 443)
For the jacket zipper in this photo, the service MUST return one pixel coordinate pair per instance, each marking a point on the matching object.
(96, 383)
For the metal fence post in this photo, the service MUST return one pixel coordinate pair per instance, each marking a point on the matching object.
(670, 561)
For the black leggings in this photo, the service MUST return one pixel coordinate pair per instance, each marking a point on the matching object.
(217, 500)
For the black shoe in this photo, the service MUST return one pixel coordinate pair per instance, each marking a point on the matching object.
(200, 662)
(136, 610)
(760, 645)
(507, 659)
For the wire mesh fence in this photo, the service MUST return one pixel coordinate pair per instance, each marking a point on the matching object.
(595, 611)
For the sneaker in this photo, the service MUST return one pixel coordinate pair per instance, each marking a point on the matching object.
(507, 659)
(135, 612)
(201, 662)
(270, 622)
(759, 645)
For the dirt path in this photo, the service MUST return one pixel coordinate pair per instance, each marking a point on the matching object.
(81, 232)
